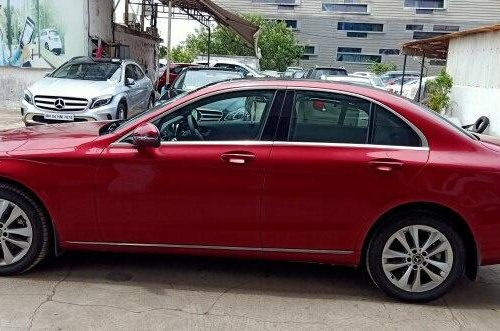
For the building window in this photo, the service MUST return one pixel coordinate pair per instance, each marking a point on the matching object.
(348, 50)
(293, 24)
(388, 51)
(413, 27)
(357, 35)
(363, 27)
(425, 35)
(310, 50)
(425, 4)
(353, 8)
(358, 58)
(451, 28)
(278, 2)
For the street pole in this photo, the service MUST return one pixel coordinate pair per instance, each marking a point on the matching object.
(9, 27)
(38, 26)
(421, 77)
(169, 41)
(404, 72)
(209, 43)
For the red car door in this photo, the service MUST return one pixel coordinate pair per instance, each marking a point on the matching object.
(191, 191)
(342, 160)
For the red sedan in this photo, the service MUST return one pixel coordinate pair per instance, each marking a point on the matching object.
(310, 171)
(175, 70)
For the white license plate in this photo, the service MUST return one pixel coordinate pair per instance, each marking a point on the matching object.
(59, 117)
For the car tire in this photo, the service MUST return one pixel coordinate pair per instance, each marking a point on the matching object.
(409, 273)
(151, 102)
(20, 252)
(121, 111)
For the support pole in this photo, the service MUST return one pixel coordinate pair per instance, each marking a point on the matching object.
(209, 44)
(126, 12)
(143, 10)
(421, 77)
(403, 77)
(9, 27)
(169, 42)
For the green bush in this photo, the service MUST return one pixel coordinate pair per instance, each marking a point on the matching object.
(381, 68)
(439, 92)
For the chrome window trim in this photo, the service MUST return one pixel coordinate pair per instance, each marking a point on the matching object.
(209, 247)
(422, 137)
(347, 145)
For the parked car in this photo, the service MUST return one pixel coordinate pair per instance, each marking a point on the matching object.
(290, 71)
(299, 74)
(316, 172)
(363, 74)
(322, 72)
(395, 86)
(193, 78)
(50, 40)
(391, 77)
(375, 82)
(84, 89)
(410, 89)
(245, 69)
(175, 69)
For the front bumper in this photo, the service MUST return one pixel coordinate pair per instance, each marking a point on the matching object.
(33, 116)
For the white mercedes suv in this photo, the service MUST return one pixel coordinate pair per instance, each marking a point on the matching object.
(85, 89)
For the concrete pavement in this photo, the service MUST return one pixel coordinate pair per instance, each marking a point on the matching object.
(90, 291)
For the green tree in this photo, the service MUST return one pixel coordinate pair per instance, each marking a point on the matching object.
(381, 68)
(279, 46)
(439, 92)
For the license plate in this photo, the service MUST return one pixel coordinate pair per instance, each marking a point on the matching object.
(59, 117)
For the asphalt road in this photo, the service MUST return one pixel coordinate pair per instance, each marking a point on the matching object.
(90, 291)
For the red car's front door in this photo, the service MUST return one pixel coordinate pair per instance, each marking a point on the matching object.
(343, 160)
(190, 192)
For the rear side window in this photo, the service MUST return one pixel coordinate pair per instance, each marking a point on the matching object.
(389, 129)
(329, 118)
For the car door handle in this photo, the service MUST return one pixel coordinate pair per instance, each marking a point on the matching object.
(385, 165)
(238, 157)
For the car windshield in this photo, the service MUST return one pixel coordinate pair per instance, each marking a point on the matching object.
(94, 71)
(318, 73)
(194, 79)
(377, 82)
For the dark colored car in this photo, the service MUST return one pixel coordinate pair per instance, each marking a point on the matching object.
(175, 69)
(309, 171)
(193, 78)
(319, 72)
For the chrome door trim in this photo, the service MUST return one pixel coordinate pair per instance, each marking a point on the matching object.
(347, 145)
(225, 248)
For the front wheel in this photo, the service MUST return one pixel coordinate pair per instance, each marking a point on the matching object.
(416, 257)
(24, 231)
(121, 111)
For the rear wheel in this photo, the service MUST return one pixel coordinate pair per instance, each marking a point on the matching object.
(24, 231)
(416, 257)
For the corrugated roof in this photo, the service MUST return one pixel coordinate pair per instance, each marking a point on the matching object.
(437, 47)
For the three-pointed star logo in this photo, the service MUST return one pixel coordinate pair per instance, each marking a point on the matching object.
(59, 104)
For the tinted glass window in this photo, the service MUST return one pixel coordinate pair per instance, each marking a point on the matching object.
(226, 117)
(329, 118)
(130, 72)
(87, 71)
(389, 129)
(138, 72)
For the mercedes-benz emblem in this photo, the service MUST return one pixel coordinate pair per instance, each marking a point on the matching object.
(59, 104)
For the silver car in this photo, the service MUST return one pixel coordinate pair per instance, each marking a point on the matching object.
(84, 89)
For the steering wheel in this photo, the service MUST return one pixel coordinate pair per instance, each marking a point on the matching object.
(193, 127)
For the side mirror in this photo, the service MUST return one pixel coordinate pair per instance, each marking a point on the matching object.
(129, 82)
(146, 135)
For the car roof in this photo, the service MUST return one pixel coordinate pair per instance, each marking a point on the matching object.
(203, 68)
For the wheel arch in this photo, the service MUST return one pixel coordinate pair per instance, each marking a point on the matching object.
(33, 195)
(452, 217)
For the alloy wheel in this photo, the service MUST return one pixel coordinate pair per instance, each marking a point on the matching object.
(16, 233)
(417, 258)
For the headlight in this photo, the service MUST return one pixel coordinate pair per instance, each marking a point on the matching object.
(101, 101)
(28, 97)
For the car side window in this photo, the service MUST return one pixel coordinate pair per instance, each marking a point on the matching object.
(389, 129)
(235, 116)
(139, 74)
(329, 118)
(177, 70)
(130, 72)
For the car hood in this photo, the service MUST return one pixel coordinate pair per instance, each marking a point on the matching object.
(72, 87)
(46, 137)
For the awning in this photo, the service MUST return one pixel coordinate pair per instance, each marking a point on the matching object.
(247, 30)
(437, 47)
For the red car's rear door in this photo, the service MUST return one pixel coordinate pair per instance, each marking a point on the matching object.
(190, 192)
(339, 160)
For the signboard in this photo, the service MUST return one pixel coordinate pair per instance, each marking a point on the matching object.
(41, 33)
